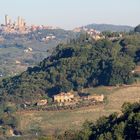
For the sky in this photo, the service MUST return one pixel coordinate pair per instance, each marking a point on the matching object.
(69, 14)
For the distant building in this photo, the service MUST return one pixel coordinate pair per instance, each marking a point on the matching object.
(21, 23)
(63, 97)
(7, 19)
(28, 50)
(20, 27)
(77, 30)
(42, 102)
(18, 62)
(96, 37)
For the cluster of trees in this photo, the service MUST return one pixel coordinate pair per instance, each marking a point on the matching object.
(81, 63)
(113, 127)
(137, 29)
(8, 120)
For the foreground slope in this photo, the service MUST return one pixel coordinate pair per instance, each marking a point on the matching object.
(57, 122)
(115, 127)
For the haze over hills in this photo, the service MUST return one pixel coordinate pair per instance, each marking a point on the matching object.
(109, 27)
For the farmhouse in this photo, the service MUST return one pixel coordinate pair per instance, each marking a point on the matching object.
(63, 97)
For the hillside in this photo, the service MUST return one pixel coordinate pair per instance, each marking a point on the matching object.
(17, 52)
(79, 64)
(120, 127)
(56, 122)
(110, 27)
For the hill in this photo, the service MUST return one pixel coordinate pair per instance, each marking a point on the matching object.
(110, 27)
(79, 64)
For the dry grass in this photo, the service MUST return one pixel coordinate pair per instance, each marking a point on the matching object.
(58, 121)
(128, 94)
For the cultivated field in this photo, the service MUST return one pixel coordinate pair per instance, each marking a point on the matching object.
(54, 122)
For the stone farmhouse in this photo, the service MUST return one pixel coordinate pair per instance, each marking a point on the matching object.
(69, 97)
(63, 97)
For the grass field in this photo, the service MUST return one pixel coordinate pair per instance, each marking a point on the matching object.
(58, 121)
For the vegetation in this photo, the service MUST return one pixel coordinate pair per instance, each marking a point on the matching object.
(115, 127)
(57, 122)
(79, 64)
(137, 29)
(8, 120)
(14, 47)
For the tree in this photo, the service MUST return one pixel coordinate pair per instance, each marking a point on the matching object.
(121, 72)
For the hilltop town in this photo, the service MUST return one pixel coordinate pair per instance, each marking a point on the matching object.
(20, 26)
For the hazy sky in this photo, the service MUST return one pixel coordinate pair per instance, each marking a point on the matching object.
(72, 13)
